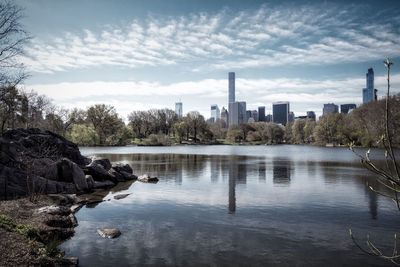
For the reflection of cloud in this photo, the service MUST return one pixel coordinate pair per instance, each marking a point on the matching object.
(267, 36)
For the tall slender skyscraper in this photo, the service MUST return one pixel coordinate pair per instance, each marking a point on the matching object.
(178, 109)
(231, 87)
(369, 93)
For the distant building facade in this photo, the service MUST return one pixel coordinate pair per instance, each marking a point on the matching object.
(346, 108)
(237, 112)
(248, 115)
(178, 109)
(280, 112)
(268, 118)
(291, 116)
(311, 115)
(215, 114)
(225, 116)
(330, 108)
(261, 113)
(231, 77)
(369, 93)
(254, 115)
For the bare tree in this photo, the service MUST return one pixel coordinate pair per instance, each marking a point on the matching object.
(388, 176)
(12, 40)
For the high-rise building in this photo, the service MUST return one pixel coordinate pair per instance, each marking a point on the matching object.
(268, 118)
(178, 109)
(346, 108)
(225, 115)
(330, 108)
(261, 113)
(215, 112)
(231, 77)
(291, 116)
(369, 93)
(248, 115)
(254, 115)
(311, 115)
(280, 112)
(237, 112)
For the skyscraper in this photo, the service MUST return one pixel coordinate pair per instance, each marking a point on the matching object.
(369, 93)
(237, 112)
(311, 115)
(345, 108)
(215, 112)
(178, 109)
(280, 112)
(231, 87)
(261, 113)
(225, 115)
(330, 108)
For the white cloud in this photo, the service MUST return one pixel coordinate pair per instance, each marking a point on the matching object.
(303, 94)
(268, 36)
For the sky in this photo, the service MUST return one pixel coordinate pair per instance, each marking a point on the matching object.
(139, 55)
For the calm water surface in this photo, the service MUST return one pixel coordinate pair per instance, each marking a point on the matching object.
(236, 206)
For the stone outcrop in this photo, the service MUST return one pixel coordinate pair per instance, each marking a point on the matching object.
(109, 232)
(33, 161)
(145, 178)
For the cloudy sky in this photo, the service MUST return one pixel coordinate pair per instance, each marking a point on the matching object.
(137, 55)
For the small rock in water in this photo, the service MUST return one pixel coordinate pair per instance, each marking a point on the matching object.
(109, 232)
(121, 196)
(145, 178)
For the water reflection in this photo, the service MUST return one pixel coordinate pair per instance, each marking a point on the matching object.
(281, 172)
(233, 210)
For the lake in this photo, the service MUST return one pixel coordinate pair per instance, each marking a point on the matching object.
(281, 205)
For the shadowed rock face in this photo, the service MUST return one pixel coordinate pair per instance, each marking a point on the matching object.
(33, 161)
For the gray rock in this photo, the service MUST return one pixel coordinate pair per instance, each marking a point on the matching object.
(89, 181)
(122, 167)
(103, 162)
(109, 232)
(121, 196)
(98, 172)
(103, 184)
(54, 210)
(69, 171)
(145, 178)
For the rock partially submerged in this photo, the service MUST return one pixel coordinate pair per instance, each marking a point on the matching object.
(109, 232)
(121, 196)
(37, 162)
(145, 178)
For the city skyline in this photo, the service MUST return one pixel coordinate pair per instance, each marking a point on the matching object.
(138, 56)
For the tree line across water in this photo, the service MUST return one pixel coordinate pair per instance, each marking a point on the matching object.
(101, 125)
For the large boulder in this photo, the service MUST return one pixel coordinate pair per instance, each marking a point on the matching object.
(47, 144)
(103, 162)
(122, 167)
(70, 172)
(98, 172)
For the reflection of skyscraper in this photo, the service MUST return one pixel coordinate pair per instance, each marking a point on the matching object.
(237, 175)
(232, 184)
(281, 172)
(215, 168)
(261, 172)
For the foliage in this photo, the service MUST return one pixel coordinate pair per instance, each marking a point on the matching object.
(84, 135)
(388, 176)
(28, 231)
(157, 140)
(12, 40)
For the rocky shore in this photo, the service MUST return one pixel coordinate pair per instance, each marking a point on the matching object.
(44, 180)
